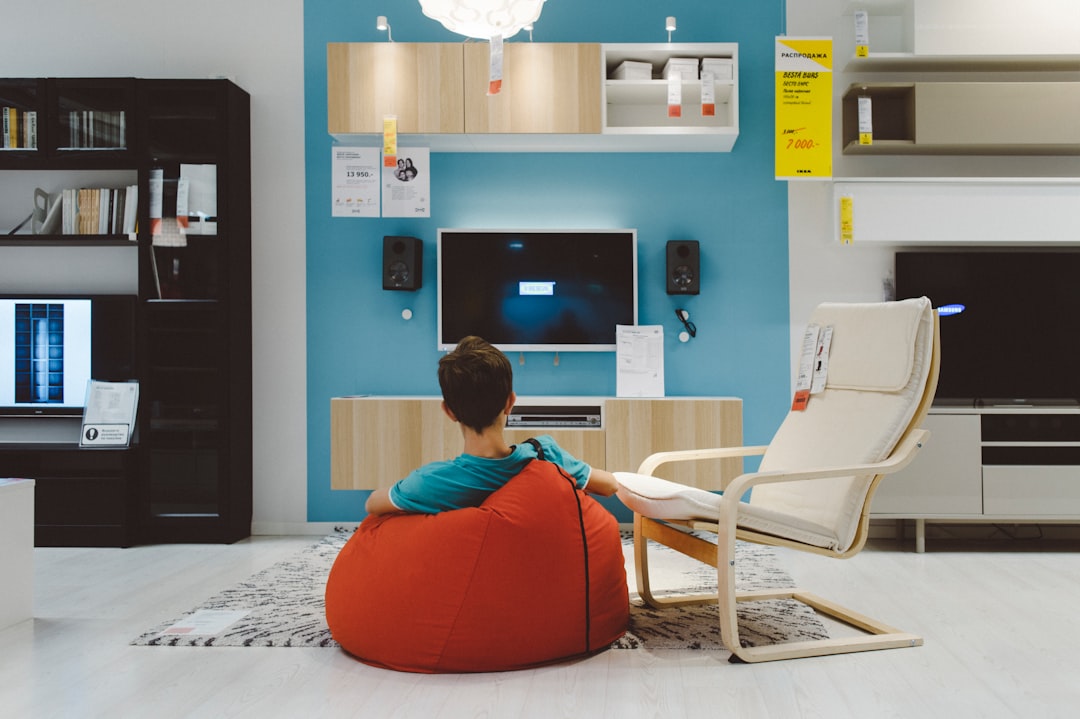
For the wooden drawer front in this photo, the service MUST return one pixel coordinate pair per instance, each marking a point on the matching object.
(375, 442)
(1030, 491)
(81, 501)
(637, 428)
(585, 444)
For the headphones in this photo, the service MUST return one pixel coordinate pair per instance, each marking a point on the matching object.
(584, 539)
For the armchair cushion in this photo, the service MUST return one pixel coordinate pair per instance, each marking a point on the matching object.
(490, 588)
(660, 498)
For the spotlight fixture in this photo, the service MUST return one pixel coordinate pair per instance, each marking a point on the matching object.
(670, 26)
(381, 23)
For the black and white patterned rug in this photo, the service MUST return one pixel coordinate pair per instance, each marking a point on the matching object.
(283, 606)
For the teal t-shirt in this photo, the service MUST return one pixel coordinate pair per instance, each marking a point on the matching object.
(467, 480)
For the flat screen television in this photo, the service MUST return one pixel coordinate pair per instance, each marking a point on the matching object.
(1010, 323)
(536, 290)
(51, 345)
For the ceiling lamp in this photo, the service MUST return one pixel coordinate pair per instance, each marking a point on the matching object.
(483, 19)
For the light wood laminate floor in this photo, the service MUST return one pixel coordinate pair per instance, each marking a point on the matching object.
(1002, 640)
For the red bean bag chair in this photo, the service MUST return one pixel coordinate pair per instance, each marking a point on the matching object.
(491, 588)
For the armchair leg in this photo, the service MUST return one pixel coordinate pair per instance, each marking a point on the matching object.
(646, 529)
(877, 635)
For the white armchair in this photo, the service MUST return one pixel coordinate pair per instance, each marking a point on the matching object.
(816, 479)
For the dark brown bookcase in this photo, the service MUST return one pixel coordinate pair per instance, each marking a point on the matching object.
(185, 146)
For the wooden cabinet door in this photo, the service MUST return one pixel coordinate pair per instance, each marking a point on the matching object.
(420, 83)
(637, 428)
(546, 88)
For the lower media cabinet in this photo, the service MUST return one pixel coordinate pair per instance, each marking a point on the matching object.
(989, 464)
(374, 441)
(83, 497)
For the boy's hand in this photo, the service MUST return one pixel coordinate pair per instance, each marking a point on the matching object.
(601, 482)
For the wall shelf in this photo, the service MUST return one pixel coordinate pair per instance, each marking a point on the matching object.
(960, 210)
(966, 118)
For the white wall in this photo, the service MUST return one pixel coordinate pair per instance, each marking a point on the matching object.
(821, 268)
(259, 45)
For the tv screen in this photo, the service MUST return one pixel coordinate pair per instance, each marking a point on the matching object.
(1010, 323)
(51, 345)
(536, 290)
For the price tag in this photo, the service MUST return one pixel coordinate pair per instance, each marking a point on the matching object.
(496, 66)
(862, 33)
(804, 104)
(806, 368)
(708, 94)
(847, 220)
(866, 122)
(389, 141)
(674, 95)
(821, 361)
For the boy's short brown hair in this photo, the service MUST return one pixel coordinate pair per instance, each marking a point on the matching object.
(476, 380)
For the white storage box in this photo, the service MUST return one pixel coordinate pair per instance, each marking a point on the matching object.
(687, 67)
(722, 68)
(633, 70)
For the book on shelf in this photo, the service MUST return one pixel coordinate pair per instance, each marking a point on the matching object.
(19, 128)
(98, 210)
(97, 130)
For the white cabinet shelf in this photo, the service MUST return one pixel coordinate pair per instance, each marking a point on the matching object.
(640, 107)
(987, 211)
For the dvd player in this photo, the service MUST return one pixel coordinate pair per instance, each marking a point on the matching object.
(552, 415)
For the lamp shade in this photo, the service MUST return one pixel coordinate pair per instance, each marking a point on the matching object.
(483, 19)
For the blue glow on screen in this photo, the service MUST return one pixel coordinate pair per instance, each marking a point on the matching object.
(953, 309)
(536, 288)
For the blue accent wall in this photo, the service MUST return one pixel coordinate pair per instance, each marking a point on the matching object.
(357, 341)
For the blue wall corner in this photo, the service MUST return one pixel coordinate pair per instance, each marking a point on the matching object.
(358, 342)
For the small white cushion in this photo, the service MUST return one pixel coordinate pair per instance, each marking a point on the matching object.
(662, 499)
(875, 350)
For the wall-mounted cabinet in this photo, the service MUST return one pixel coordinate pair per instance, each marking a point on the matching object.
(546, 88)
(970, 211)
(374, 441)
(419, 83)
(554, 97)
(966, 118)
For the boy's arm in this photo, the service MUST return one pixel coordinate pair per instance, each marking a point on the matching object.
(601, 482)
(378, 502)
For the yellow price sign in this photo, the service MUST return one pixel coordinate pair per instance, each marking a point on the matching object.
(804, 108)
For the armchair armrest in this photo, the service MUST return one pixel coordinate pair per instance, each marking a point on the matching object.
(900, 458)
(650, 463)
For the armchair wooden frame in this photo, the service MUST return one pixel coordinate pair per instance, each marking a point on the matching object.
(677, 534)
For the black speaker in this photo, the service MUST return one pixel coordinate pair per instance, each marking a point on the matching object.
(402, 262)
(683, 267)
